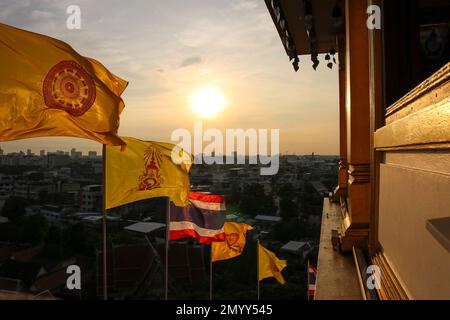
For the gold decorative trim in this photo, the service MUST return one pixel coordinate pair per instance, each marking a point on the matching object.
(358, 173)
(428, 146)
(359, 275)
(391, 286)
(433, 82)
(430, 126)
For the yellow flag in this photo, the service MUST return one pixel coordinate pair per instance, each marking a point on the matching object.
(145, 170)
(234, 241)
(270, 265)
(48, 89)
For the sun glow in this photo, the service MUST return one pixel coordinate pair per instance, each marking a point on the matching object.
(207, 101)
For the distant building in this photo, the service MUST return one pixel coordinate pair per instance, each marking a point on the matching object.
(97, 167)
(31, 189)
(51, 213)
(92, 154)
(91, 198)
(269, 219)
(74, 154)
(6, 185)
(69, 187)
(65, 171)
(24, 272)
(265, 223)
(320, 188)
(56, 159)
(296, 247)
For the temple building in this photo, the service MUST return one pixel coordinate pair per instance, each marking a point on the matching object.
(386, 227)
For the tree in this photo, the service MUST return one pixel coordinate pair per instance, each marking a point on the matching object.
(294, 229)
(235, 194)
(36, 176)
(78, 240)
(254, 201)
(288, 208)
(9, 232)
(14, 208)
(54, 235)
(34, 229)
(43, 196)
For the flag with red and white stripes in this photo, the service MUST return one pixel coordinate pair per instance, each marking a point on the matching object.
(312, 277)
(203, 219)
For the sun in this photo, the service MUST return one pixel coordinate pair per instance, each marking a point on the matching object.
(207, 101)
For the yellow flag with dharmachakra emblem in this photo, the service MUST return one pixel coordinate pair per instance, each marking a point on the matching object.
(269, 265)
(48, 89)
(235, 239)
(146, 169)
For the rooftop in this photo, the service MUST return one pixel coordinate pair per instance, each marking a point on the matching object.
(261, 217)
(294, 246)
(145, 227)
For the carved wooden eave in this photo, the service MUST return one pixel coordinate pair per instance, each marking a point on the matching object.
(289, 19)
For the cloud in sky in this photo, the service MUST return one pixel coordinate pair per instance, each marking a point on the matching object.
(239, 5)
(168, 49)
(191, 61)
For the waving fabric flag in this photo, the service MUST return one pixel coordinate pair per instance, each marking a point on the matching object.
(48, 89)
(203, 219)
(312, 276)
(207, 201)
(145, 170)
(270, 265)
(234, 244)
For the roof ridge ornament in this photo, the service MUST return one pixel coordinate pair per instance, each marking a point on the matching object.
(311, 31)
(285, 35)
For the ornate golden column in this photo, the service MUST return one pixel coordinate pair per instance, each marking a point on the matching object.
(341, 189)
(357, 213)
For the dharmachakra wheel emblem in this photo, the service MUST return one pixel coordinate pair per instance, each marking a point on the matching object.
(67, 86)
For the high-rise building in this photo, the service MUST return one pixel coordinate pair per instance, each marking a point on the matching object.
(74, 154)
(91, 198)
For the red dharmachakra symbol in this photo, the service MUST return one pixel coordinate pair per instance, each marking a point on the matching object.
(67, 86)
(232, 238)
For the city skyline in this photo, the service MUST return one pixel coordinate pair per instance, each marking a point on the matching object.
(167, 58)
(38, 152)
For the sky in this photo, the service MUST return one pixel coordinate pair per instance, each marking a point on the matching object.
(167, 50)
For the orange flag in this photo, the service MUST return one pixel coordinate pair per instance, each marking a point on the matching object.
(270, 265)
(234, 243)
(48, 89)
(144, 170)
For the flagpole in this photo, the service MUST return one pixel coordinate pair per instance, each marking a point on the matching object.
(210, 272)
(257, 264)
(105, 269)
(167, 249)
(307, 279)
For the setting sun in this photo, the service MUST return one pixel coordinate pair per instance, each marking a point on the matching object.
(207, 101)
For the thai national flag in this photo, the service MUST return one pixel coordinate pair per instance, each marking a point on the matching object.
(312, 276)
(203, 219)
